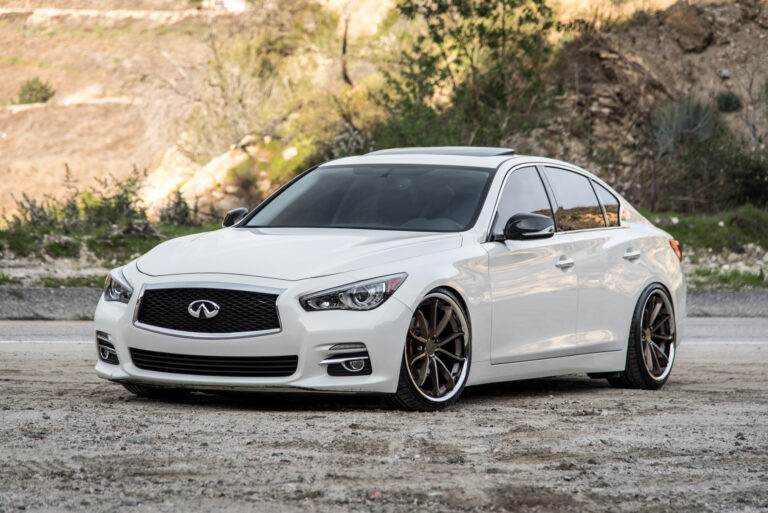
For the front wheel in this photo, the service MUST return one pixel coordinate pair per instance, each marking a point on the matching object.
(437, 355)
(652, 342)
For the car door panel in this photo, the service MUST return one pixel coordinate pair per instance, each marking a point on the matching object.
(533, 285)
(534, 301)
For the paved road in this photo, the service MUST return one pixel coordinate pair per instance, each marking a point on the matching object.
(698, 330)
(46, 332)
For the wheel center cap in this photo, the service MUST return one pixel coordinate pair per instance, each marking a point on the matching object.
(431, 346)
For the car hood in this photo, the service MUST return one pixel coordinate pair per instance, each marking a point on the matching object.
(289, 253)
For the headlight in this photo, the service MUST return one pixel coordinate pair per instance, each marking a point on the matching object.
(362, 295)
(117, 288)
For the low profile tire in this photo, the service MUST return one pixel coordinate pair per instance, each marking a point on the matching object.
(652, 342)
(437, 355)
(153, 392)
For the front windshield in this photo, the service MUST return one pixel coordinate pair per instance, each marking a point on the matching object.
(383, 197)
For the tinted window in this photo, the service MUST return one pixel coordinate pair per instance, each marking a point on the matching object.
(610, 203)
(388, 197)
(523, 193)
(578, 208)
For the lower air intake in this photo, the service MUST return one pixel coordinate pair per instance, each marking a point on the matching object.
(233, 366)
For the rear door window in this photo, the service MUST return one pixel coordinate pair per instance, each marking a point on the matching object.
(577, 205)
(610, 204)
(523, 193)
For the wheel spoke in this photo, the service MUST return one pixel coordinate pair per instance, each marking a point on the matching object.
(647, 356)
(662, 336)
(659, 352)
(423, 324)
(659, 322)
(416, 337)
(656, 310)
(444, 321)
(449, 381)
(451, 355)
(418, 357)
(435, 383)
(449, 338)
(423, 373)
(433, 320)
(656, 364)
(646, 322)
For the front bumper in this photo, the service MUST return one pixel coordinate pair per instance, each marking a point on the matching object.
(308, 335)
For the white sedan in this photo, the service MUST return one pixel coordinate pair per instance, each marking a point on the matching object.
(413, 273)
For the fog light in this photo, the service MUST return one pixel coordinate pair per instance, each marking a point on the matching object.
(106, 349)
(354, 365)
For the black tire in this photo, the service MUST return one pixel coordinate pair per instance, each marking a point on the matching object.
(454, 370)
(638, 372)
(153, 392)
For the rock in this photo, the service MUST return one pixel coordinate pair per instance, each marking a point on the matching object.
(728, 18)
(725, 74)
(690, 26)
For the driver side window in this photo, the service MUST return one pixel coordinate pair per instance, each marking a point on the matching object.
(523, 193)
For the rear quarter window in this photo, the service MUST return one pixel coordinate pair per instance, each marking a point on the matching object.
(610, 204)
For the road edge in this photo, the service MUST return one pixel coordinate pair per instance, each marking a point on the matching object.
(79, 303)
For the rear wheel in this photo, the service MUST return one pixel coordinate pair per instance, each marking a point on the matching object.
(652, 342)
(153, 392)
(437, 355)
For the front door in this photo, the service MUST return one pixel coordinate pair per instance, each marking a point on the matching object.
(534, 285)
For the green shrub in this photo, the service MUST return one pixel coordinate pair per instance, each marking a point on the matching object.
(727, 279)
(727, 230)
(682, 122)
(475, 76)
(73, 281)
(63, 247)
(35, 90)
(23, 243)
(176, 211)
(728, 101)
(116, 202)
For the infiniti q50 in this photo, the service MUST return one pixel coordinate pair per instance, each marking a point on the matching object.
(411, 272)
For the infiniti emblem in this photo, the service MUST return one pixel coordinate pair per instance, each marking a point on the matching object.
(203, 309)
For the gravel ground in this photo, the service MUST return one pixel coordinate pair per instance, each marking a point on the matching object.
(69, 441)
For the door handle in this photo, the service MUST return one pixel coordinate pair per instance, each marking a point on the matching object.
(564, 263)
(632, 254)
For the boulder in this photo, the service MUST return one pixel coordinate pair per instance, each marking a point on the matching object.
(690, 26)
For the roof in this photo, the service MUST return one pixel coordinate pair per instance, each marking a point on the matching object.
(464, 151)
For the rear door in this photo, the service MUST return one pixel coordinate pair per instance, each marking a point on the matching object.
(534, 287)
(602, 295)
(608, 286)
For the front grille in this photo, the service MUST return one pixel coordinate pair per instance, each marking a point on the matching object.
(239, 310)
(236, 366)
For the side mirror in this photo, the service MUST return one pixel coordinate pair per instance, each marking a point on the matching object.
(234, 216)
(529, 226)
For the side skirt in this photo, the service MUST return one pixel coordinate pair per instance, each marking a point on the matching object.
(605, 362)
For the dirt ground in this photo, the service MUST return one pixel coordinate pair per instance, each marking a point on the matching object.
(69, 441)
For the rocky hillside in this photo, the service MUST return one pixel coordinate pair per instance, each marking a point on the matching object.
(125, 73)
(616, 79)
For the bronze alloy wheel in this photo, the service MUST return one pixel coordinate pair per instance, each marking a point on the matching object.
(437, 354)
(657, 340)
(652, 342)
